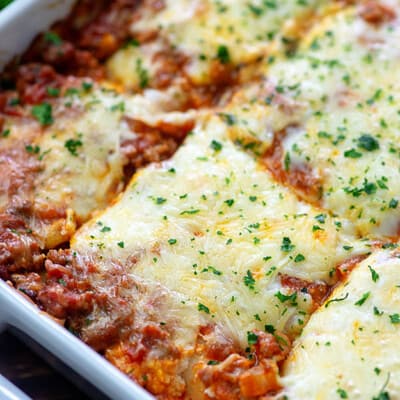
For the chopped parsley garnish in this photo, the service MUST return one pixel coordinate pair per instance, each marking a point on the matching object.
(190, 212)
(363, 299)
(118, 107)
(217, 146)
(342, 393)
(32, 149)
(377, 311)
(257, 11)
(210, 268)
(43, 113)
(105, 229)
(252, 338)
(395, 318)
(374, 274)
(393, 203)
(299, 258)
(52, 91)
(368, 142)
(223, 54)
(249, 280)
(131, 43)
(86, 86)
(5, 133)
(287, 162)
(352, 153)
(229, 119)
(72, 146)
(336, 300)
(320, 218)
(283, 297)
(287, 245)
(121, 244)
(202, 307)
(229, 202)
(53, 38)
(160, 200)
(172, 241)
(367, 188)
(61, 281)
(142, 74)
(269, 329)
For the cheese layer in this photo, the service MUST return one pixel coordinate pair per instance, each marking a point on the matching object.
(346, 71)
(213, 227)
(350, 347)
(231, 31)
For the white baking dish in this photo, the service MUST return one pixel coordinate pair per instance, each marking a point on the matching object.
(19, 23)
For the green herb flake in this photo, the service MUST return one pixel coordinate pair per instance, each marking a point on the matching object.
(229, 119)
(229, 202)
(352, 153)
(395, 318)
(53, 38)
(5, 133)
(336, 300)
(52, 91)
(287, 245)
(342, 393)
(249, 280)
(223, 54)
(374, 274)
(321, 218)
(118, 107)
(32, 149)
(287, 162)
(189, 212)
(368, 142)
(269, 329)
(87, 86)
(252, 338)
(202, 307)
(72, 146)
(299, 258)
(363, 299)
(283, 297)
(393, 203)
(142, 74)
(43, 113)
(160, 200)
(216, 146)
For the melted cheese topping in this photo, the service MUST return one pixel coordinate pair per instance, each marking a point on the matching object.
(80, 153)
(213, 227)
(235, 32)
(347, 73)
(349, 349)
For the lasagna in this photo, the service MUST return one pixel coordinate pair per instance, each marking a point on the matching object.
(206, 192)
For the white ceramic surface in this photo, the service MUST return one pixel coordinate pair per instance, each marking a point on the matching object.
(20, 22)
